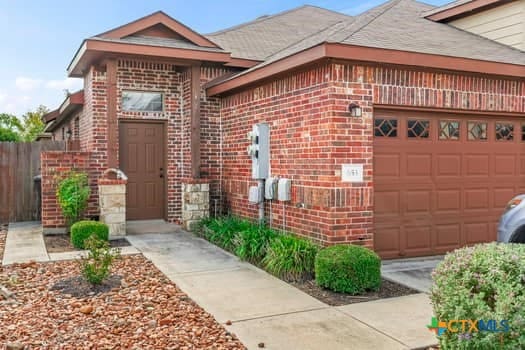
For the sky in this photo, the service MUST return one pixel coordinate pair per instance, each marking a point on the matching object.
(40, 37)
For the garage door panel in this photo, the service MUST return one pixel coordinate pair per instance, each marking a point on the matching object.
(505, 164)
(476, 199)
(418, 239)
(443, 190)
(448, 200)
(448, 165)
(448, 236)
(502, 196)
(419, 165)
(387, 165)
(476, 165)
(387, 203)
(418, 201)
(477, 232)
(387, 240)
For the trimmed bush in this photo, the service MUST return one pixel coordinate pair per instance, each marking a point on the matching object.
(82, 230)
(290, 257)
(484, 282)
(253, 242)
(348, 269)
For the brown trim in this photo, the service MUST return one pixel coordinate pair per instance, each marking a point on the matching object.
(242, 63)
(195, 138)
(158, 18)
(370, 54)
(70, 105)
(449, 111)
(464, 10)
(92, 49)
(111, 73)
(304, 57)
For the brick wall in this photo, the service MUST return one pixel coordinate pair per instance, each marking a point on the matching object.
(312, 134)
(55, 164)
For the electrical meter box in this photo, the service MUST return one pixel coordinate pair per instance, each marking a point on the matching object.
(254, 195)
(284, 190)
(259, 150)
(270, 188)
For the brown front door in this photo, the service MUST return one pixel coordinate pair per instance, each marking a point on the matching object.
(441, 180)
(142, 160)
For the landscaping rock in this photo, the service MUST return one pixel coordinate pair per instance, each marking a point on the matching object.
(14, 346)
(51, 318)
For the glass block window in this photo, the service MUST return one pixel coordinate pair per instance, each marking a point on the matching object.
(418, 128)
(449, 130)
(504, 131)
(142, 101)
(385, 127)
(477, 131)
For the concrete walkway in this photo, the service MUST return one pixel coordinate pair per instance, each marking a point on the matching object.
(25, 243)
(412, 272)
(264, 309)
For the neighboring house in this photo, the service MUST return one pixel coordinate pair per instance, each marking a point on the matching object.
(501, 21)
(441, 137)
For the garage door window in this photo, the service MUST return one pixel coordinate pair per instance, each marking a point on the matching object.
(504, 131)
(418, 128)
(449, 130)
(523, 132)
(477, 131)
(385, 127)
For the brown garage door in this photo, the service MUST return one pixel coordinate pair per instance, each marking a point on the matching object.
(442, 180)
(142, 160)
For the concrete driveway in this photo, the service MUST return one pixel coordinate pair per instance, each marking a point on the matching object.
(413, 272)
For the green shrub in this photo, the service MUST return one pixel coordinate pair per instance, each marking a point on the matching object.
(72, 195)
(252, 243)
(484, 282)
(348, 269)
(223, 231)
(82, 230)
(290, 257)
(97, 265)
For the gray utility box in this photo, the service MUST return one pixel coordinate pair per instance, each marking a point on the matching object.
(259, 150)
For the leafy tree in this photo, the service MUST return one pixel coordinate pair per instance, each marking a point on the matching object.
(10, 128)
(33, 123)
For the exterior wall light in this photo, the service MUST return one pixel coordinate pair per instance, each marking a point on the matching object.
(69, 134)
(355, 110)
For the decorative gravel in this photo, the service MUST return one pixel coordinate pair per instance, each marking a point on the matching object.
(144, 310)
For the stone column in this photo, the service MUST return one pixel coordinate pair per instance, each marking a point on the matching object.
(112, 199)
(195, 202)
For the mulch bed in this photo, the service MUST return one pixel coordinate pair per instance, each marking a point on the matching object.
(62, 243)
(141, 309)
(388, 290)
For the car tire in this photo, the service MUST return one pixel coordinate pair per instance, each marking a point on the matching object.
(518, 236)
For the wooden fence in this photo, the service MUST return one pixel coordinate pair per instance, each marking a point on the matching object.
(19, 164)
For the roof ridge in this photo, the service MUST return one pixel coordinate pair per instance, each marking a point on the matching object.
(330, 26)
(388, 5)
(263, 18)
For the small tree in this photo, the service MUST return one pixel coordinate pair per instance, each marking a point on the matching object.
(73, 193)
(97, 265)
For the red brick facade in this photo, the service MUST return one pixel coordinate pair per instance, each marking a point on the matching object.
(54, 165)
(312, 135)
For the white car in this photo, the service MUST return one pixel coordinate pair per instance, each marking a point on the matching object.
(511, 228)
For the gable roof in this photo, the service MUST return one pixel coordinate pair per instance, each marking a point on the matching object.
(267, 35)
(397, 27)
(154, 19)
(461, 8)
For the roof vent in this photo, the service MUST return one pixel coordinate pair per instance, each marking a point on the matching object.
(263, 16)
